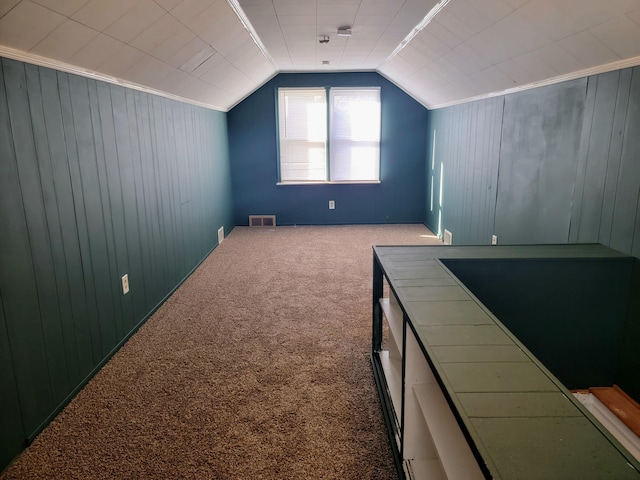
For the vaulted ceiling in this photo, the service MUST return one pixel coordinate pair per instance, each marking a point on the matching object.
(216, 52)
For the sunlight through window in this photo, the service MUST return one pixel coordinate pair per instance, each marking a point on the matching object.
(354, 135)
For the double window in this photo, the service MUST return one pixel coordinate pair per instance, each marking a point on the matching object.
(334, 140)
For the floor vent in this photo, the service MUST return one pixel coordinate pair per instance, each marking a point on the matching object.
(262, 220)
(447, 238)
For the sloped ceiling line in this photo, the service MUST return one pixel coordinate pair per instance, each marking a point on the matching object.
(215, 53)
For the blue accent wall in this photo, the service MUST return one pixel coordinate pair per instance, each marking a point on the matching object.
(399, 198)
(96, 181)
(557, 164)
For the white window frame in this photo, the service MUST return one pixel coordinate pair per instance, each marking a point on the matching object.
(332, 156)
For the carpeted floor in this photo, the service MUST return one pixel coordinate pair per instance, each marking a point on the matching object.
(256, 368)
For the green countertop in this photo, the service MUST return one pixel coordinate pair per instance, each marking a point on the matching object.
(520, 418)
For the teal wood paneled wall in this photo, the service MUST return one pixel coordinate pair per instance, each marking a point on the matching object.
(462, 169)
(95, 181)
(556, 164)
(571, 313)
(629, 358)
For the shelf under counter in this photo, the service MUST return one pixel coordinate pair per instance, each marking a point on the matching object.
(513, 414)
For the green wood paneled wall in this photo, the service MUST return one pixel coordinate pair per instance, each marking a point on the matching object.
(629, 358)
(554, 164)
(570, 312)
(95, 181)
(462, 169)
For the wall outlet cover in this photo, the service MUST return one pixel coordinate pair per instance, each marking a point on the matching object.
(125, 284)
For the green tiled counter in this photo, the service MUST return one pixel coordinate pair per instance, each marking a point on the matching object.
(519, 421)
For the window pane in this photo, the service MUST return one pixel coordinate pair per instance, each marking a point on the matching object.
(355, 134)
(303, 134)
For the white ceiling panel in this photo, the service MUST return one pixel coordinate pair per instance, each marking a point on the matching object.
(148, 71)
(65, 41)
(548, 18)
(472, 16)
(428, 78)
(494, 10)
(174, 42)
(99, 14)
(191, 55)
(157, 33)
(590, 13)
(121, 61)
(515, 4)
(491, 78)
(215, 52)
(168, 5)
(621, 35)
(588, 49)
(294, 7)
(26, 24)
(188, 10)
(96, 51)
(63, 7)
(517, 72)
(467, 60)
(7, 5)
(558, 59)
(444, 35)
(135, 21)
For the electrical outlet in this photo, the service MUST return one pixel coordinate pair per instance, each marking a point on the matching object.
(125, 284)
(494, 239)
(332, 204)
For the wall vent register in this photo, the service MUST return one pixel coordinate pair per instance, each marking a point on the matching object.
(262, 220)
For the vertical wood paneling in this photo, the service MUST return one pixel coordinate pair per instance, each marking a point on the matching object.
(84, 277)
(115, 199)
(467, 143)
(11, 427)
(614, 156)
(163, 193)
(538, 163)
(566, 157)
(144, 278)
(114, 285)
(95, 181)
(18, 282)
(125, 161)
(582, 155)
(40, 240)
(39, 86)
(595, 170)
(71, 285)
(628, 189)
(150, 214)
(97, 229)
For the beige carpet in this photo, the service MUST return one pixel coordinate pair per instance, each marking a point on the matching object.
(256, 368)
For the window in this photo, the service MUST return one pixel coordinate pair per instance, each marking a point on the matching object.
(334, 141)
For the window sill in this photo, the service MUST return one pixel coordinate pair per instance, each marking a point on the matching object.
(346, 182)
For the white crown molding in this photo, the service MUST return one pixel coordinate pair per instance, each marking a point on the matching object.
(33, 59)
(587, 72)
